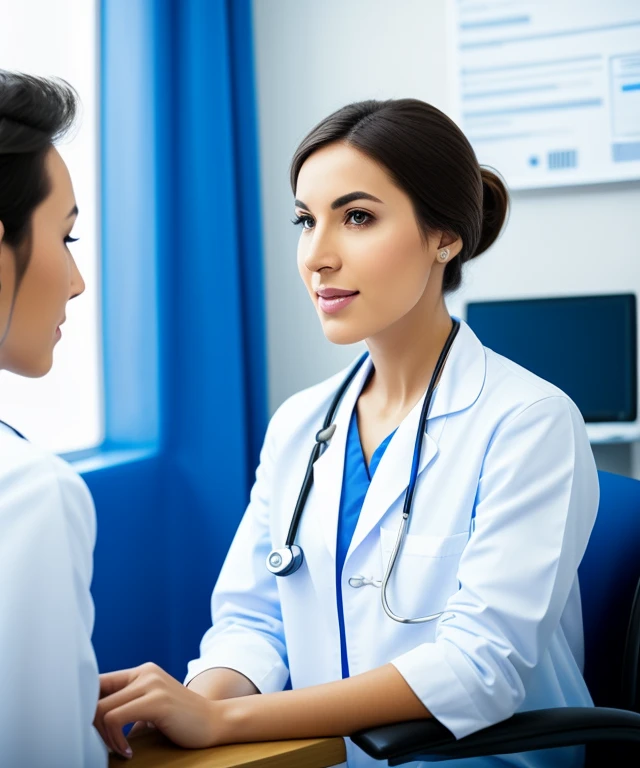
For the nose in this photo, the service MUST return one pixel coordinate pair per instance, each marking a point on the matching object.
(77, 285)
(319, 251)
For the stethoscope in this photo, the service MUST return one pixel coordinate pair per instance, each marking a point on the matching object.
(13, 429)
(285, 561)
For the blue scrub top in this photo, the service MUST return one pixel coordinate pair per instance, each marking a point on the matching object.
(355, 484)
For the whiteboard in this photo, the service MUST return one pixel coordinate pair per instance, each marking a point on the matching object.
(548, 91)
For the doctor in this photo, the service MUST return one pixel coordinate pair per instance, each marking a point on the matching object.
(433, 572)
(48, 671)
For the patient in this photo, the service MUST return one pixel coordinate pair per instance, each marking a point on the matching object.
(48, 671)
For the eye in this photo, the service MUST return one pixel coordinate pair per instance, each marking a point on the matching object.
(303, 220)
(68, 239)
(359, 218)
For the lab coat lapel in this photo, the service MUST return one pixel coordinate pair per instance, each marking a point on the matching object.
(391, 477)
(460, 386)
(328, 470)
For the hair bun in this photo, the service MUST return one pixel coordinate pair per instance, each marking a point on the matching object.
(34, 111)
(495, 206)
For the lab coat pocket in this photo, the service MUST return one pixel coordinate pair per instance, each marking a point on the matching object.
(425, 572)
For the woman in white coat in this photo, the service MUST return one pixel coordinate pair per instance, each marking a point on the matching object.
(48, 672)
(391, 203)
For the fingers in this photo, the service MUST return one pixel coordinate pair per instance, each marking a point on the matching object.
(124, 692)
(115, 688)
(110, 682)
(99, 726)
(115, 700)
(112, 702)
(116, 719)
(110, 724)
(142, 726)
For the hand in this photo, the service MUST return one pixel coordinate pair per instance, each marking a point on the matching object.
(148, 693)
(141, 726)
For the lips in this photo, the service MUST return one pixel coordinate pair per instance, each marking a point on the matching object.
(332, 293)
(336, 303)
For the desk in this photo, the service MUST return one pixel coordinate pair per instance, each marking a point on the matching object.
(152, 750)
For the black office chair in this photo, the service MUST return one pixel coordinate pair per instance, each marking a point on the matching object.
(610, 588)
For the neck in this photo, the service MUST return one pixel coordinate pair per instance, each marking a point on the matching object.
(404, 356)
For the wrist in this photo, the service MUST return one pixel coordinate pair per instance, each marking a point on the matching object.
(229, 718)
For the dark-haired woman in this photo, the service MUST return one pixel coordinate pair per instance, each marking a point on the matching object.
(48, 672)
(448, 514)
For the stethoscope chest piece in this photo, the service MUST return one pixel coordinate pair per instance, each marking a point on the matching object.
(282, 562)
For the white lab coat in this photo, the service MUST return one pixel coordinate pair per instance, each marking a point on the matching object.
(499, 439)
(48, 673)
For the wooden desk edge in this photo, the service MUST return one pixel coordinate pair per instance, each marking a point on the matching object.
(152, 750)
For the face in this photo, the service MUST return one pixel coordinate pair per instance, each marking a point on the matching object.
(360, 235)
(51, 279)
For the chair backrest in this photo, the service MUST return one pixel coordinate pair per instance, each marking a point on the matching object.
(631, 682)
(609, 575)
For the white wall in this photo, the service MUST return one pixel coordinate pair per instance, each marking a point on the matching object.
(312, 58)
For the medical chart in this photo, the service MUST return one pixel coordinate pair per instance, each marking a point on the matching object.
(548, 91)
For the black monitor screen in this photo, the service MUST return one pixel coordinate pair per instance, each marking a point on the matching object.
(586, 345)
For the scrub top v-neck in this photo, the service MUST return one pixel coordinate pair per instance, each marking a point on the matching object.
(355, 484)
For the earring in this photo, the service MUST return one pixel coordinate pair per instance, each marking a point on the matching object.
(444, 254)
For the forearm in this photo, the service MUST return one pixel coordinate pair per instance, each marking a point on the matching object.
(373, 698)
(222, 683)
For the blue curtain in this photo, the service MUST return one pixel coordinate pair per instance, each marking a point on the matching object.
(185, 379)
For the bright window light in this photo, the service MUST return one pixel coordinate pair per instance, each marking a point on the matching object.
(63, 410)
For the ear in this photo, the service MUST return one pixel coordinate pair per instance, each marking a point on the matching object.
(452, 242)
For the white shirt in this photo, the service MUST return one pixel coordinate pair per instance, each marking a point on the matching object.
(500, 441)
(48, 672)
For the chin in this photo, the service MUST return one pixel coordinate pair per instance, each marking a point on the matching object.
(342, 335)
(34, 369)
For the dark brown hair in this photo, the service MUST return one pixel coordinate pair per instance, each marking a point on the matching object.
(431, 160)
(34, 112)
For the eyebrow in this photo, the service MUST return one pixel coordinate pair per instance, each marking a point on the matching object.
(73, 212)
(344, 200)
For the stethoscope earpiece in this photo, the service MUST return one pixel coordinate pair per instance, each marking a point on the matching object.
(282, 562)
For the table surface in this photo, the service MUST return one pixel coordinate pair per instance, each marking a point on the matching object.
(153, 749)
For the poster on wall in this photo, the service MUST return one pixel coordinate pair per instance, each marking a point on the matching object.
(548, 91)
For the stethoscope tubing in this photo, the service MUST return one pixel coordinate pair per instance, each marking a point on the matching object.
(408, 499)
(322, 437)
(387, 575)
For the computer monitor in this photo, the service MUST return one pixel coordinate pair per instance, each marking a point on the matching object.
(585, 345)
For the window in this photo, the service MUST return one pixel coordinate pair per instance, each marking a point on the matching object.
(63, 410)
